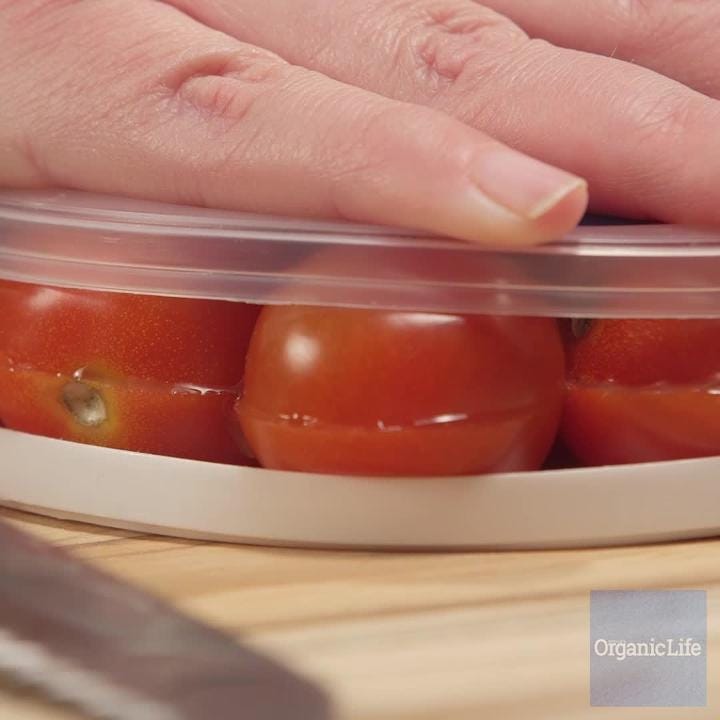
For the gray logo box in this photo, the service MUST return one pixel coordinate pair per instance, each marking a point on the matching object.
(648, 648)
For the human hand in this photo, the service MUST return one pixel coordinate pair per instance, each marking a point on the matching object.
(138, 98)
(647, 144)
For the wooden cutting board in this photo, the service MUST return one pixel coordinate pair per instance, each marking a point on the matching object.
(405, 636)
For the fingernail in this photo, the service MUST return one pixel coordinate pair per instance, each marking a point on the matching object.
(521, 184)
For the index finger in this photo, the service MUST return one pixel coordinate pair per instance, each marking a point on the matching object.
(643, 141)
(137, 98)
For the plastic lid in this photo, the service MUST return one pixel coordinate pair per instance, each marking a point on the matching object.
(107, 243)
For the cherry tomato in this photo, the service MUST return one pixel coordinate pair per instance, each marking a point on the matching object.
(398, 393)
(175, 340)
(642, 390)
(144, 373)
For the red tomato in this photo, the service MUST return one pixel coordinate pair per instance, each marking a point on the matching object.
(144, 373)
(641, 391)
(398, 393)
(175, 340)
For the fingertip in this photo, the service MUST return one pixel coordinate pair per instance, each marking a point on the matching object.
(474, 216)
(449, 179)
(562, 213)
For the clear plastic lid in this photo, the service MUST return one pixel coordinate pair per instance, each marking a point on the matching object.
(106, 243)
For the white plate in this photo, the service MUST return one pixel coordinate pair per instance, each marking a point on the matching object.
(557, 508)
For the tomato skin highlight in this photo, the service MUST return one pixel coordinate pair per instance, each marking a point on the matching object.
(645, 352)
(165, 372)
(396, 393)
(143, 417)
(613, 426)
(642, 391)
(163, 339)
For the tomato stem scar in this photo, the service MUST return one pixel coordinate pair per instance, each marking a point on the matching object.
(581, 327)
(84, 403)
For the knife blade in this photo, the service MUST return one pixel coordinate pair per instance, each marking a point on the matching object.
(80, 636)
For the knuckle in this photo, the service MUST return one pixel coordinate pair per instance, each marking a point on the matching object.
(429, 43)
(665, 131)
(399, 133)
(382, 139)
(365, 150)
(376, 145)
(229, 84)
(231, 93)
(457, 37)
(668, 115)
(660, 126)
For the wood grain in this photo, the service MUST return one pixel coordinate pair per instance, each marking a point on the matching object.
(405, 636)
